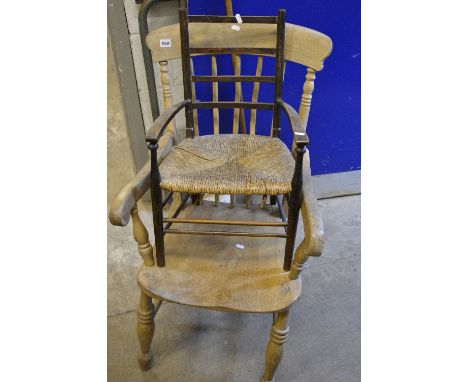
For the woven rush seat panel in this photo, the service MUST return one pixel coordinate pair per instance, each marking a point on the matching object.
(229, 164)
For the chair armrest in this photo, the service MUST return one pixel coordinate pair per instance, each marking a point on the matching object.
(119, 212)
(311, 215)
(159, 125)
(313, 242)
(299, 132)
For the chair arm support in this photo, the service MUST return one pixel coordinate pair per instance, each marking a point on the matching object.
(126, 199)
(299, 132)
(159, 125)
(313, 242)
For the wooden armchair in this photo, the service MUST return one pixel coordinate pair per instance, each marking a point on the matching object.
(255, 270)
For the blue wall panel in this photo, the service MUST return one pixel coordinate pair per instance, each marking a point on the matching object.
(334, 122)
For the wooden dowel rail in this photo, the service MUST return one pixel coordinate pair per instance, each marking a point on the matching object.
(226, 222)
(224, 233)
(168, 197)
(177, 211)
(232, 19)
(233, 105)
(240, 50)
(270, 79)
(279, 202)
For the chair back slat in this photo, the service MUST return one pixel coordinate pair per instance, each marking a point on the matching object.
(229, 12)
(187, 50)
(306, 98)
(237, 97)
(256, 88)
(236, 63)
(241, 79)
(194, 98)
(214, 72)
(167, 94)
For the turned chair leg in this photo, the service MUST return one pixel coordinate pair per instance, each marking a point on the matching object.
(145, 329)
(274, 350)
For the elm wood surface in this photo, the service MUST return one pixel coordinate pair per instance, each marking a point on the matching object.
(213, 272)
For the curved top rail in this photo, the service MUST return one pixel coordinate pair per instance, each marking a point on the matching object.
(303, 45)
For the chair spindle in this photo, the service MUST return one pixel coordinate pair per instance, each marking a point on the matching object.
(194, 98)
(306, 98)
(214, 72)
(166, 92)
(237, 71)
(232, 201)
(253, 112)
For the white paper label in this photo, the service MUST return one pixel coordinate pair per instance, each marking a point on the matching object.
(165, 43)
(240, 246)
(235, 28)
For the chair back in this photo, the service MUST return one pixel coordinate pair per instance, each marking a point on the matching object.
(264, 36)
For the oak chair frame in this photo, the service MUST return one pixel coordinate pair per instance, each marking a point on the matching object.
(157, 130)
(162, 137)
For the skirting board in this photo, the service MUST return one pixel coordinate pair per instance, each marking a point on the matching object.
(338, 184)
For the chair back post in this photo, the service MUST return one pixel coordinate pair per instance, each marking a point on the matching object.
(280, 37)
(186, 70)
(156, 204)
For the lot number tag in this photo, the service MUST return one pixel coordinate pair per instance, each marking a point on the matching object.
(165, 43)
